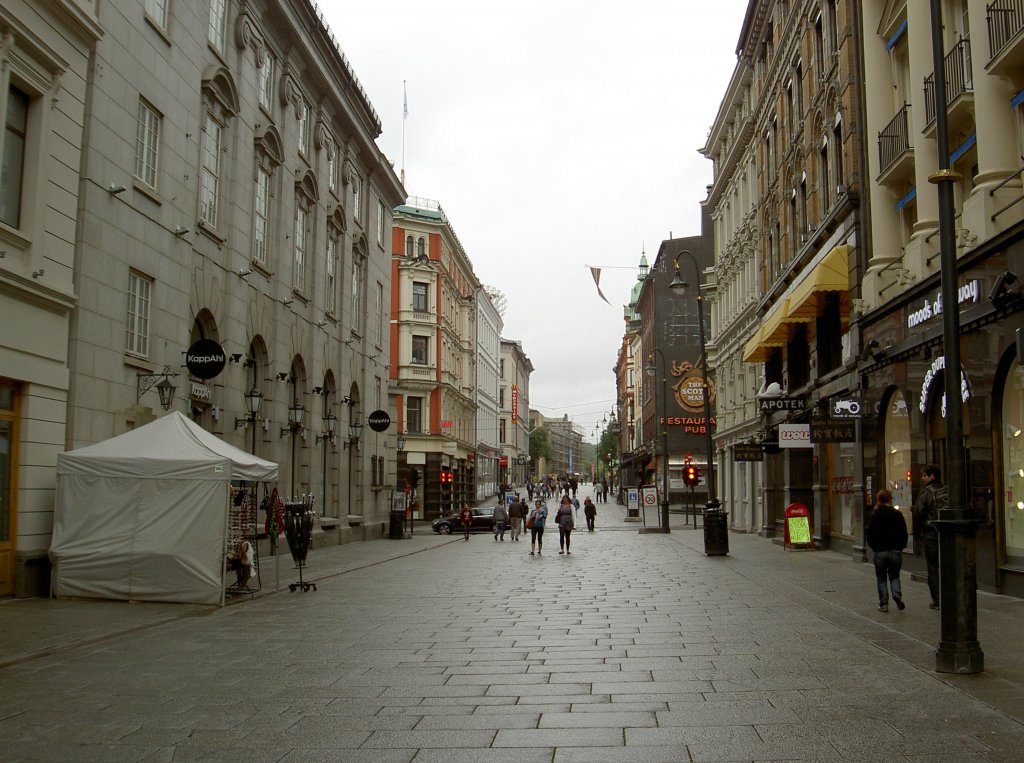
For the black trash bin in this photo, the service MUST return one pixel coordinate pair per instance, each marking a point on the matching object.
(396, 530)
(716, 533)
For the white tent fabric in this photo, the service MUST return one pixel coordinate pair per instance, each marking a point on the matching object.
(144, 515)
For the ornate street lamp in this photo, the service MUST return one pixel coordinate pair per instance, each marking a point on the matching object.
(652, 369)
(716, 531)
(253, 401)
(165, 388)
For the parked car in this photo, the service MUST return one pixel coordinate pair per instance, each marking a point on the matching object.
(483, 519)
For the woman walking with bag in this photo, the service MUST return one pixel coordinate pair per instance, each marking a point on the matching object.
(565, 522)
(535, 524)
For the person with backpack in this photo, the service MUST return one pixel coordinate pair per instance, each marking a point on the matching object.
(566, 523)
(887, 536)
(932, 498)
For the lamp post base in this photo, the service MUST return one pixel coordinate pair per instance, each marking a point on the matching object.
(959, 650)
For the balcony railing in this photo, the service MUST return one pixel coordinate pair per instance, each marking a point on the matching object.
(1005, 20)
(894, 139)
(957, 66)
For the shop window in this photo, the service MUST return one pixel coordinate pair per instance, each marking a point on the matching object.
(1012, 439)
(842, 496)
(897, 455)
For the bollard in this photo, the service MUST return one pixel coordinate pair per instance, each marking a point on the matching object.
(716, 533)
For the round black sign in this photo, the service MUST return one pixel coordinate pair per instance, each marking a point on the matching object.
(379, 421)
(205, 359)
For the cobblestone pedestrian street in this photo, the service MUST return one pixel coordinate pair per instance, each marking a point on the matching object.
(633, 648)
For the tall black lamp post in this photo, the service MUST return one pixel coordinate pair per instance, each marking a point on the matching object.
(959, 650)
(716, 530)
(295, 413)
(661, 395)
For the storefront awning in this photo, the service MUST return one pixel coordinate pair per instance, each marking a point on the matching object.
(803, 304)
(831, 274)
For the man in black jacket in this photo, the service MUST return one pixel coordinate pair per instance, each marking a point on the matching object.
(887, 537)
(931, 498)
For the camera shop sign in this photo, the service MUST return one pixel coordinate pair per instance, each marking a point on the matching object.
(932, 308)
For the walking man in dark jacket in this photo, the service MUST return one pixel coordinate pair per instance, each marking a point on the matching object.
(887, 537)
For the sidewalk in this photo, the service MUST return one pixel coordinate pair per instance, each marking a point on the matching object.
(633, 649)
(34, 628)
(833, 587)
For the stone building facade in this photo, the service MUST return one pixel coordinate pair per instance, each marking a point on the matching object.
(45, 48)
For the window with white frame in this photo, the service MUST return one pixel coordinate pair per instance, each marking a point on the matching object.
(217, 32)
(157, 10)
(333, 167)
(147, 143)
(357, 194)
(300, 236)
(266, 81)
(414, 414)
(209, 171)
(13, 160)
(380, 222)
(357, 290)
(304, 129)
(137, 317)
(380, 314)
(419, 297)
(261, 216)
(420, 345)
(331, 268)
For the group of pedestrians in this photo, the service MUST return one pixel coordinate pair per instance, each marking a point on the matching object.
(518, 516)
(887, 536)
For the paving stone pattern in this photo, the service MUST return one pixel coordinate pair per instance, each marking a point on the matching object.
(634, 648)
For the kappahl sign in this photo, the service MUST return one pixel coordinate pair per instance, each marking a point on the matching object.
(794, 435)
(205, 359)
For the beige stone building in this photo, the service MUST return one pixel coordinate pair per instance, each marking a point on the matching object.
(785, 210)
(233, 195)
(45, 47)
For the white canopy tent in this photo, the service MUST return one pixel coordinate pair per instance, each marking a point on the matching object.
(144, 515)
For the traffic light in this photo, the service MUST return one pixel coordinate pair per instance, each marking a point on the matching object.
(690, 476)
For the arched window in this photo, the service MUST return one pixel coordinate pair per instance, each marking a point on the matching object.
(896, 428)
(421, 247)
(1012, 440)
(408, 246)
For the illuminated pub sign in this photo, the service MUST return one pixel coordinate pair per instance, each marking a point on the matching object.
(694, 424)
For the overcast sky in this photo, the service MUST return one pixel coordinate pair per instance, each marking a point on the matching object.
(556, 134)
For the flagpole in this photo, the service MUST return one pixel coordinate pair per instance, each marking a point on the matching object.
(405, 115)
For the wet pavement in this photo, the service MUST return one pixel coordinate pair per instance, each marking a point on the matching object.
(636, 647)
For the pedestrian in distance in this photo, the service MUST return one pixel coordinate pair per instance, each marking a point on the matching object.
(516, 515)
(886, 534)
(466, 518)
(525, 508)
(565, 522)
(535, 524)
(932, 498)
(590, 512)
(500, 521)
(576, 506)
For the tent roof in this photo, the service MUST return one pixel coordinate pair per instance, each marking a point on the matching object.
(170, 447)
